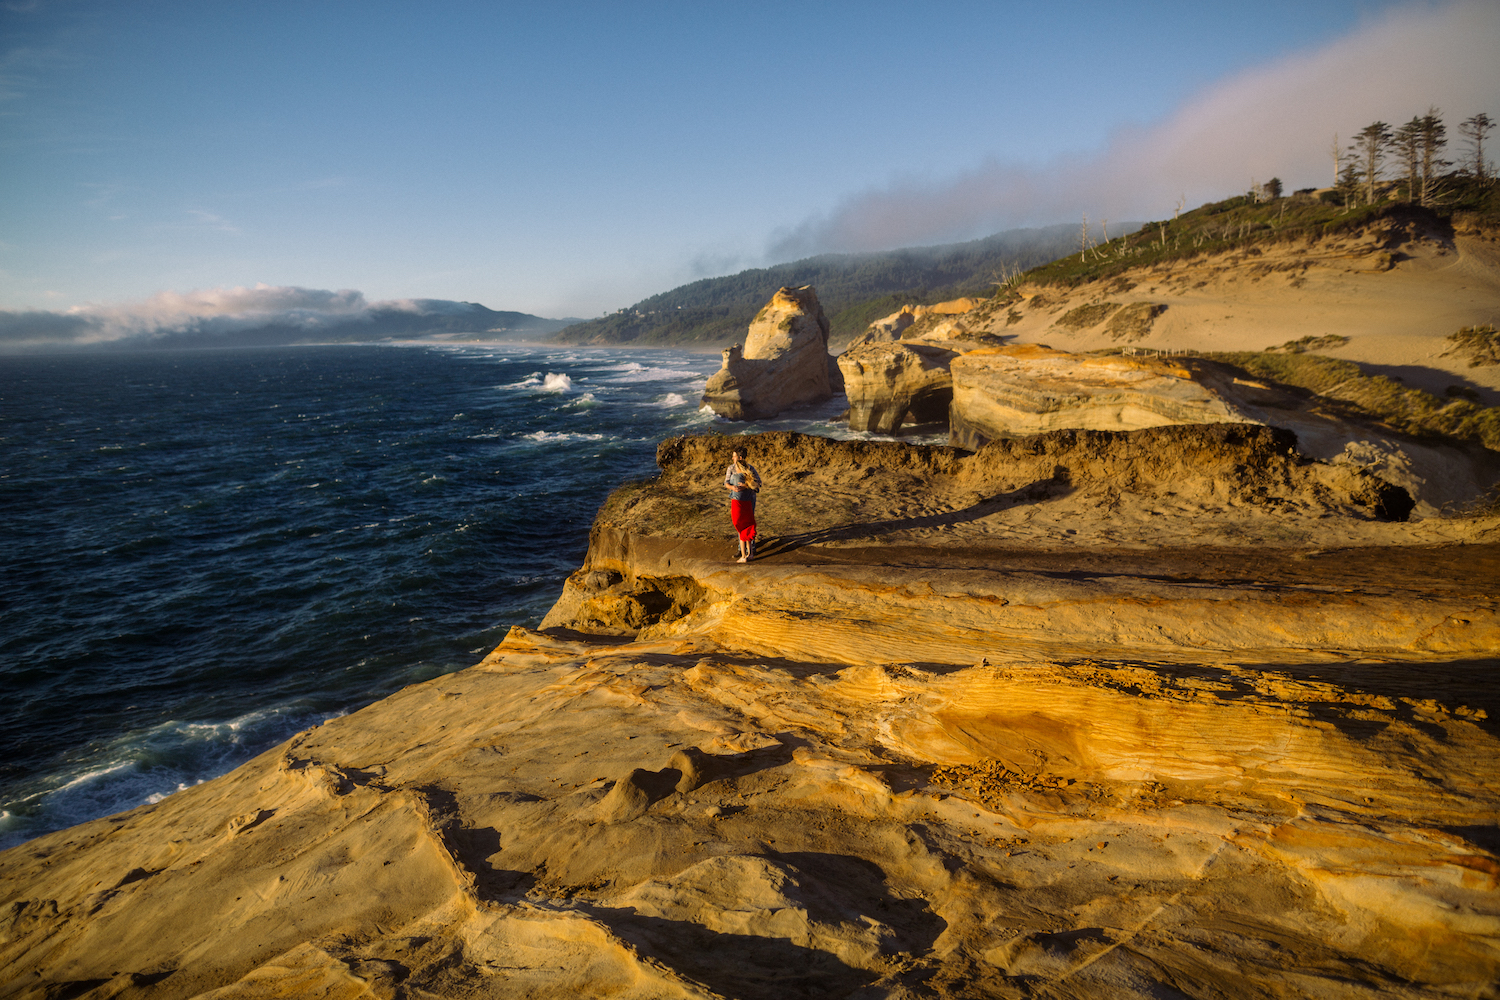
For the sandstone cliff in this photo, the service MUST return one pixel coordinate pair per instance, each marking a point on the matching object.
(889, 384)
(784, 362)
(1175, 711)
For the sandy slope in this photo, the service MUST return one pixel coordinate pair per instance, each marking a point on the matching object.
(1397, 316)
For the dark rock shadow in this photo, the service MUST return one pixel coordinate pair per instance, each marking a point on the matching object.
(834, 889)
(805, 668)
(1473, 683)
(741, 966)
(472, 847)
(1042, 489)
(1484, 837)
(592, 638)
(715, 767)
(849, 887)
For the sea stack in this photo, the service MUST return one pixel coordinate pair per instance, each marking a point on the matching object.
(784, 362)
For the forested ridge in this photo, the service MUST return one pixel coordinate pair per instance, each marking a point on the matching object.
(853, 289)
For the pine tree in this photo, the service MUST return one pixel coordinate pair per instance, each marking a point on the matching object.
(1348, 184)
(1475, 129)
(1434, 138)
(1407, 142)
(1370, 147)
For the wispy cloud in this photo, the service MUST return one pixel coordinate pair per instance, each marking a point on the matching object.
(1277, 120)
(209, 220)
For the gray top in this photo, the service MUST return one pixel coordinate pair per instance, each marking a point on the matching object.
(742, 493)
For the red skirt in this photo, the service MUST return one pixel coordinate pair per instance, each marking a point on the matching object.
(743, 516)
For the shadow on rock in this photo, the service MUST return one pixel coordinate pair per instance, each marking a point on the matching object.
(742, 966)
(1042, 489)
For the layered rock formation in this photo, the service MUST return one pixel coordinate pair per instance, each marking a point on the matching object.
(1029, 389)
(784, 362)
(1023, 389)
(1170, 712)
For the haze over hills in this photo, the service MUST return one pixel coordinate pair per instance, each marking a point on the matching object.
(853, 288)
(264, 316)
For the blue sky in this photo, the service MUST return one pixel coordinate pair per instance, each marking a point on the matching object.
(572, 158)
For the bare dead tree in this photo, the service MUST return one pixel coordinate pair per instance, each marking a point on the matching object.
(1474, 130)
(1338, 153)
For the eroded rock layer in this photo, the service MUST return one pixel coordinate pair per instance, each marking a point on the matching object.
(896, 383)
(930, 745)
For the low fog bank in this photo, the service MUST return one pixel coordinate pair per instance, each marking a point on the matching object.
(1277, 120)
(264, 315)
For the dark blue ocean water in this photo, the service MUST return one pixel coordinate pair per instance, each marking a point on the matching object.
(206, 552)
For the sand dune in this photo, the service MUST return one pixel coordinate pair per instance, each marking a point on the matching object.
(1397, 296)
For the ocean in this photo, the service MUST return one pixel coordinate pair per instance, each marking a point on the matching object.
(206, 552)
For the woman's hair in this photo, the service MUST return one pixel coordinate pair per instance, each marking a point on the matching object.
(738, 450)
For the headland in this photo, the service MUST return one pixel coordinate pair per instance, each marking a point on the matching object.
(1084, 714)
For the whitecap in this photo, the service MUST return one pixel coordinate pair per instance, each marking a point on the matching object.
(641, 373)
(529, 382)
(87, 777)
(560, 436)
(672, 399)
(555, 382)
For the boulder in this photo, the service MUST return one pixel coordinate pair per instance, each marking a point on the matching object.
(784, 362)
(889, 384)
(1029, 389)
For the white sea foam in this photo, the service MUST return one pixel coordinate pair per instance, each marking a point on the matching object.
(88, 776)
(554, 437)
(672, 399)
(555, 382)
(182, 786)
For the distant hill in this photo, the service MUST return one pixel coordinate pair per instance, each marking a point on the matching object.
(853, 289)
(413, 319)
(436, 319)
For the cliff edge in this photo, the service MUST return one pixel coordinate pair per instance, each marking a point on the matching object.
(1171, 711)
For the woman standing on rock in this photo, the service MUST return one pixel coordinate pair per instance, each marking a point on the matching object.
(742, 481)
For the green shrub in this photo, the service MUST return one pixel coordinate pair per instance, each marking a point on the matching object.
(1480, 343)
(1087, 316)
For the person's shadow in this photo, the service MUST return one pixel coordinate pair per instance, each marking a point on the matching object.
(1058, 485)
